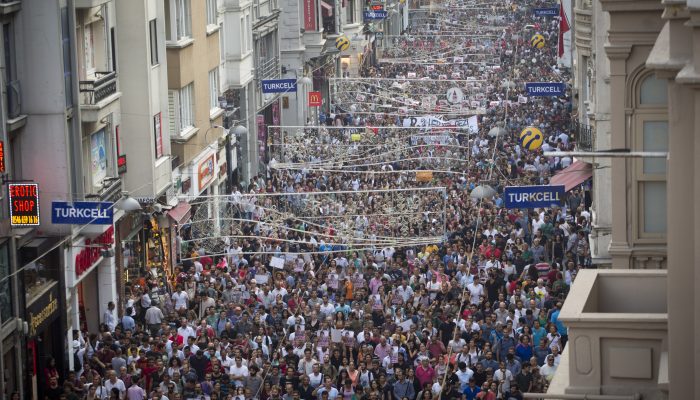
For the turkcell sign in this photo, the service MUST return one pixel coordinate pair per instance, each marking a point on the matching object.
(547, 12)
(374, 15)
(533, 196)
(545, 88)
(279, 85)
(81, 212)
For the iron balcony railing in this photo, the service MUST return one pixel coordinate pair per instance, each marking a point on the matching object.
(103, 86)
(584, 135)
(268, 68)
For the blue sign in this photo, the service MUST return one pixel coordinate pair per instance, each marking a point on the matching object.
(374, 15)
(533, 196)
(545, 88)
(547, 12)
(279, 85)
(81, 212)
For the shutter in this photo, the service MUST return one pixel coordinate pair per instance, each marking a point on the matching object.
(173, 112)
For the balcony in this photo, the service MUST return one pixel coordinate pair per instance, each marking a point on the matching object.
(584, 135)
(96, 95)
(8, 7)
(268, 68)
(617, 324)
(90, 3)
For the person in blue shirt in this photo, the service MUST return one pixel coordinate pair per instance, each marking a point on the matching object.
(128, 323)
(561, 329)
(471, 390)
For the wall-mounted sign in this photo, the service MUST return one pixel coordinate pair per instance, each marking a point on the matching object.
(43, 311)
(206, 171)
(2, 157)
(279, 85)
(121, 164)
(545, 88)
(375, 15)
(24, 204)
(81, 212)
(315, 99)
(309, 15)
(533, 196)
(88, 256)
(547, 12)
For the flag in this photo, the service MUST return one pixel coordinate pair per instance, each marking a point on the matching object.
(563, 28)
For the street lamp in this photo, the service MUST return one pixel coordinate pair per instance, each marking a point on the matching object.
(127, 203)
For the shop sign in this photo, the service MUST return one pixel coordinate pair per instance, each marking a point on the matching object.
(43, 311)
(279, 85)
(533, 196)
(81, 212)
(545, 89)
(88, 256)
(375, 15)
(2, 157)
(24, 204)
(309, 15)
(121, 164)
(315, 99)
(547, 12)
(206, 171)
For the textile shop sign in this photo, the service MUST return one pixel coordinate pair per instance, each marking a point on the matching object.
(2, 157)
(545, 88)
(81, 212)
(547, 12)
(279, 85)
(24, 204)
(43, 311)
(533, 196)
(88, 256)
(470, 123)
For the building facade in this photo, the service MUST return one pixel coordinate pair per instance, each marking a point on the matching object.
(192, 43)
(630, 330)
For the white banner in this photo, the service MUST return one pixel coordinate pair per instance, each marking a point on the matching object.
(471, 124)
(430, 139)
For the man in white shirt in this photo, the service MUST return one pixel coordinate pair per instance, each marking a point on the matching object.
(476, 290)
(503, 375)
(464, 374)
(186, 331)
(114, 382)
(180, 299)
(109, 318)
(238, 371)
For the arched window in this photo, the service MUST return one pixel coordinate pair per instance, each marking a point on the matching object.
(651, 134)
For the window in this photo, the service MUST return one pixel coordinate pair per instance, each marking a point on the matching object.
(211, 12)
(181, 109)
(249, 32)
(178, 24)
(651, 134)
(98, 158)
(158, 135)
(214, 88)
(350, 12)
(67, 52)
(89, 49)
(222, 43)
(153, 31)
(5, 288)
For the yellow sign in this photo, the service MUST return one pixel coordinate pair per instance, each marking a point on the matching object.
(424, 176)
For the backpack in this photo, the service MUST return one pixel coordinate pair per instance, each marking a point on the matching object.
(77, 365)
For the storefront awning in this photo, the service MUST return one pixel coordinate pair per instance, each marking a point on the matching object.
(327, 9)
(180, 213)
(573, 175)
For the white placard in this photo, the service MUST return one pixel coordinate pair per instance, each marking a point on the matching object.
(277, 262)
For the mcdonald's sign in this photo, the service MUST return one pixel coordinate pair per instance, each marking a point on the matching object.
(314, 99)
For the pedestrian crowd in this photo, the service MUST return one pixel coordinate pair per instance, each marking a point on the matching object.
(315, 290)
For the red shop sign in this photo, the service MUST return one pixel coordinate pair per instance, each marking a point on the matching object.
(89, 255)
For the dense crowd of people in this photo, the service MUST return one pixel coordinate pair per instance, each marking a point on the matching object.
(324, 292)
